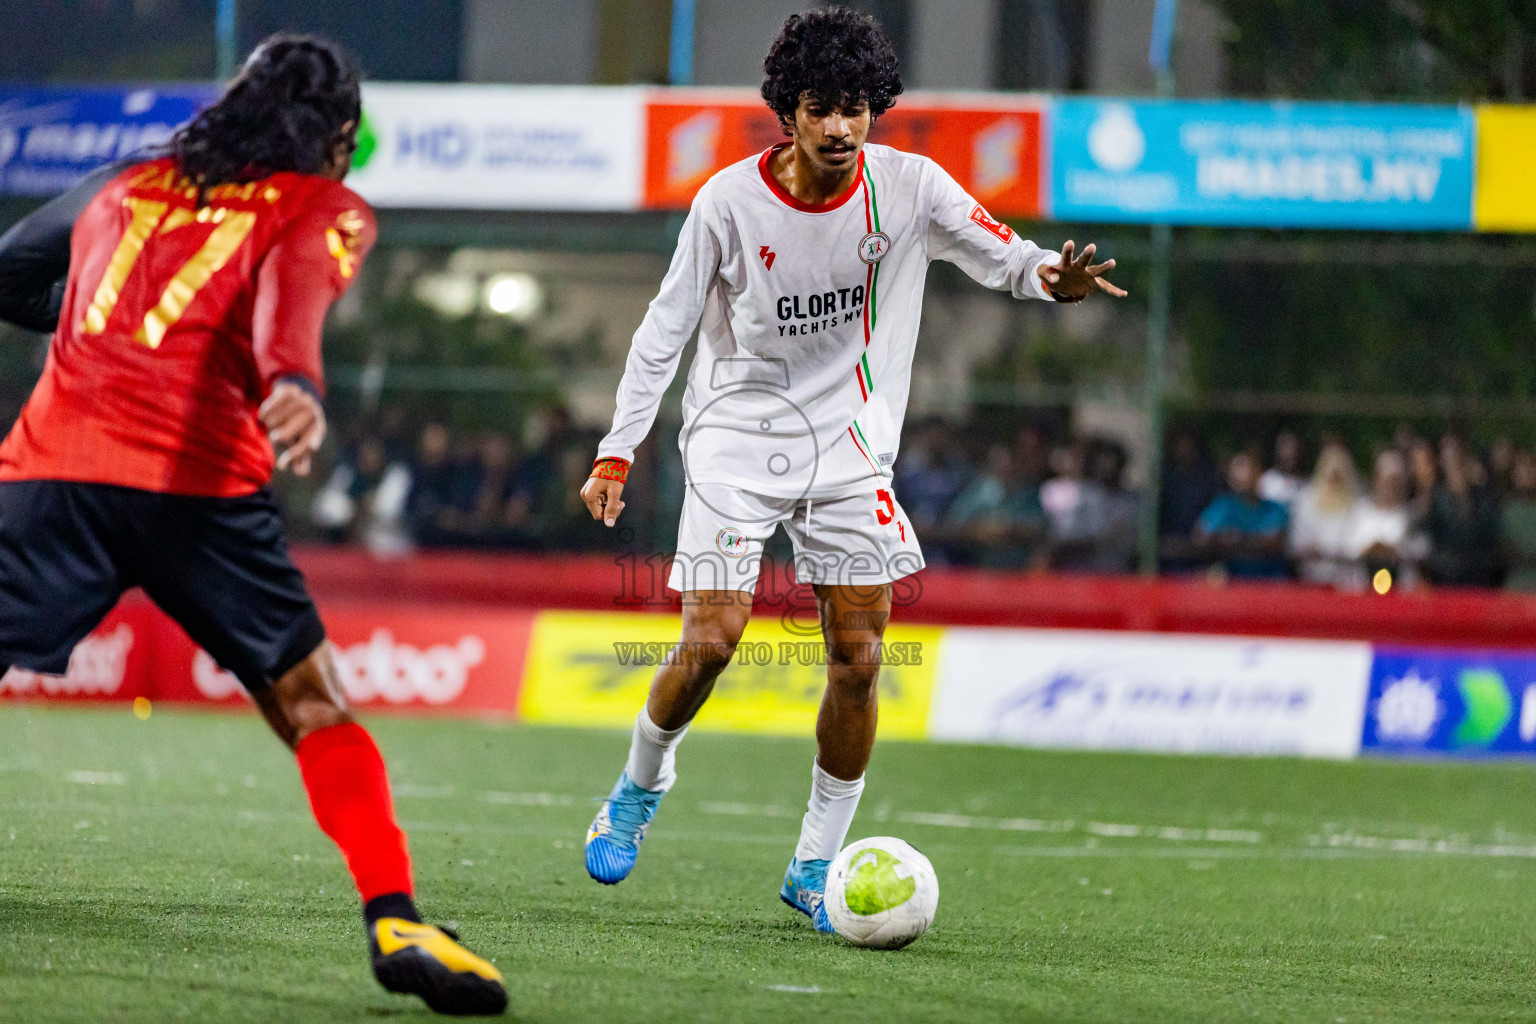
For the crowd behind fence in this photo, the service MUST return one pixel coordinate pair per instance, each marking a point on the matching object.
(1413, 511)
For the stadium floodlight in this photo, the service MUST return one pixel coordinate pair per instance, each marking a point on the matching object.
(452, 295)
(515, 296)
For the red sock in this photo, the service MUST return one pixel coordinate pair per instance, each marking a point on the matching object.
(349, 793)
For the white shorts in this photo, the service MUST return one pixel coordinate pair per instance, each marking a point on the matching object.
(863, 540)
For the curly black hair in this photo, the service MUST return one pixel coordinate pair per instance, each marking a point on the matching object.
(296, 97)
(838, 56)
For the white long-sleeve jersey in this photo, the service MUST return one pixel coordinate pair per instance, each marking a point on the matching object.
(810, 316)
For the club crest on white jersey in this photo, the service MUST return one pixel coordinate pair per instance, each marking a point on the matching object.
(874, 246)
(731, 542)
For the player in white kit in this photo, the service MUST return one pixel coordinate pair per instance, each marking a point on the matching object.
(803, 269)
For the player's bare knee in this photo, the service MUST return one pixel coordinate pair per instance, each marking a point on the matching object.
(306, 699)
(711, 631)
(707, 651)
(853, 668)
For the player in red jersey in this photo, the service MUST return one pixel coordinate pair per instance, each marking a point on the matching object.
(188, 347)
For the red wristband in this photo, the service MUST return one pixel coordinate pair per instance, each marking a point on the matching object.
(611, 469)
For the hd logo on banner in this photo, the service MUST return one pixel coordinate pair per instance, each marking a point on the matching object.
(1425, 701)
(480, 147)
(1321, 165)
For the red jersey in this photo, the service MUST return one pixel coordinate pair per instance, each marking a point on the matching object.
(177, 321)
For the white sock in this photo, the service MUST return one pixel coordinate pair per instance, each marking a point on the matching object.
(653, 754)
(828, 815)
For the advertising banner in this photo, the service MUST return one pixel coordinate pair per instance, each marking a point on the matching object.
(595, 668)
(391, 656)
(1084, 690)
(1424, 701)
(115, 662)
(1327, 165)
(52, 137)
(1506, 169)
(990, 144)
(499, 147)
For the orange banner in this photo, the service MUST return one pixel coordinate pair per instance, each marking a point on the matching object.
(991, 145)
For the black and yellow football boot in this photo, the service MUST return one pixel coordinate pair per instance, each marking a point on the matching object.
(418, 959)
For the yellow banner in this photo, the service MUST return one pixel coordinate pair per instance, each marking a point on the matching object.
(595, 668)
(1505, 196)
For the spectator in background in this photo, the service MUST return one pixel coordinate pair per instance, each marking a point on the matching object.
(487, 520)
(997, 521)
(365, 499)
(1517, 520)
(1284, 480)
(1190, 484)
(1382, 533)
(1462, 523)
(1074, 510)
(1242, 532)
(1423, 475)
(433, 514)
(1117, 545)
(1501, 466)
(1031, 456)
(929, 474)
(1322, 519)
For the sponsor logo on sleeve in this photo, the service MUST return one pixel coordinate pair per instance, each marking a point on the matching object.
(997, 227)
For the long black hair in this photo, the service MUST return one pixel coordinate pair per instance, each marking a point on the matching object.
(835, 54)
(295, 99)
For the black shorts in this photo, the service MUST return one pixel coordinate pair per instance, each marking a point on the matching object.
(218, 566)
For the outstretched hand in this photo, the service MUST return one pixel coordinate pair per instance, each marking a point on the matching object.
(1074, 279)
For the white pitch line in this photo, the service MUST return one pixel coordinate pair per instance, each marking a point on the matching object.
(973, 821)
(747, 810)
(97, 778)
(1385, 844)
(528, 799)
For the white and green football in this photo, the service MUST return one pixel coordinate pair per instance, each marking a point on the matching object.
(881, 893)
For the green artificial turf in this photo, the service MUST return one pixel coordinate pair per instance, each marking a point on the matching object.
(169, 870)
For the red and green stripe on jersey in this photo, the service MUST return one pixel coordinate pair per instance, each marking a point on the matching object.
(861, 370)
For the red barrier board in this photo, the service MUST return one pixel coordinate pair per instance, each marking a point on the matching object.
(990, 144)
(391, 656)
(113, 663)
(959, 597)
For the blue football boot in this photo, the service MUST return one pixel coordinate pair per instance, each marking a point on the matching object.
(613, 842)
(804, 885)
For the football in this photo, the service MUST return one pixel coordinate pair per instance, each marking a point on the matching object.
(881, 893)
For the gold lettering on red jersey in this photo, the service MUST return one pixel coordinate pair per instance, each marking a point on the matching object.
(177, 218)
(146, 214)
(230, 229)
(155, 177)
(342, 241)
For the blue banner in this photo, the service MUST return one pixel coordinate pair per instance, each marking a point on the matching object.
(1425, 701)
(1326, 165)
(51, 137)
